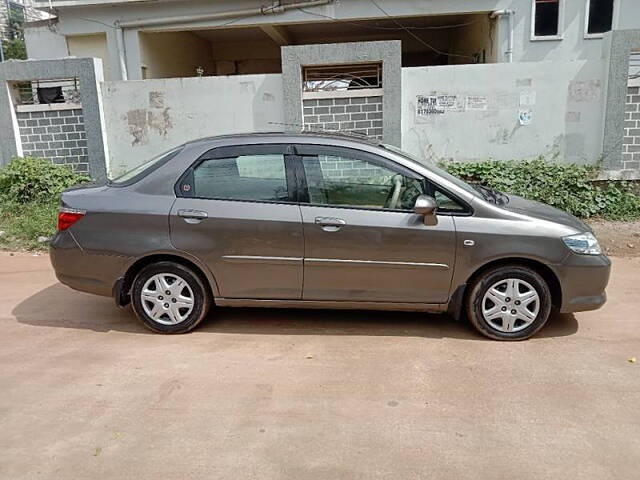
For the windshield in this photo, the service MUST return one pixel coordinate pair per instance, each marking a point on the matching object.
(148, 165)
(438, 171)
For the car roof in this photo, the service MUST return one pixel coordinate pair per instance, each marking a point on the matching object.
(286, 137)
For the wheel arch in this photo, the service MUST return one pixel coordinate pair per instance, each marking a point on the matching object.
(543, 270)
(124, 284)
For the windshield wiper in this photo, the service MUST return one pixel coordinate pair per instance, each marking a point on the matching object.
(504, 198)
(491, 195)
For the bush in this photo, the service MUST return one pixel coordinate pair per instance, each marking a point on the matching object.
(568, 187)
(31, 179)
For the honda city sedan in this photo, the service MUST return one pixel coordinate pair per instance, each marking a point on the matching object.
(321, 221)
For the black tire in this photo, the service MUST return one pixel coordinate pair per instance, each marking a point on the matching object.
(491, 277)
(201, 298)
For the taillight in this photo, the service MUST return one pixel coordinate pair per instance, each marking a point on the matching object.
(69, 216)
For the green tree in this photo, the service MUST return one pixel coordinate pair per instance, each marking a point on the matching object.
(15, 49)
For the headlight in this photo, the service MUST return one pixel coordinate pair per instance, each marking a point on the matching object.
(583, 243)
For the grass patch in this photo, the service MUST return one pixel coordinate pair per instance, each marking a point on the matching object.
(22, 224)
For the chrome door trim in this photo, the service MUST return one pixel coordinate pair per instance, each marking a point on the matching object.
(261, 259)
(329, 261)
(321, 304)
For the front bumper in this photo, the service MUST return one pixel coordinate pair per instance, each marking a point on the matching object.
(583, 280)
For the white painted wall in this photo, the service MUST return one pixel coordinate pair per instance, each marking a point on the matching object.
(43, 41)
(145, 118)
(626, 14)
(566, 122)
(94, 45)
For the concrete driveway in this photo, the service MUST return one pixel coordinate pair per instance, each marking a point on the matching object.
(85, 392)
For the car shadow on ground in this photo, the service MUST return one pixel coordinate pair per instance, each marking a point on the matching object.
(58, 306)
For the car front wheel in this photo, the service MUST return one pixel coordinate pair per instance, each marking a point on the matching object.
(168, 297)
(509, 303)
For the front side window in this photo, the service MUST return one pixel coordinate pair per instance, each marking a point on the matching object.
(447, 204)
(344, 181)
(546, 18)
(245, 177)
(599, 16)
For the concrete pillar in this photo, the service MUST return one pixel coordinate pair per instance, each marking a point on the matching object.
(89, 74)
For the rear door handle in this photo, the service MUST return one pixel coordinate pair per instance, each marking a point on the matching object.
(330, 224)
(192, 216)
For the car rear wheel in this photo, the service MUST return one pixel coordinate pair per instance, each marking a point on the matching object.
(509, 303)
(168, 297)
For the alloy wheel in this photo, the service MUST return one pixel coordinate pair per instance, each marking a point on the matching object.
(510, 305)
(167, 298)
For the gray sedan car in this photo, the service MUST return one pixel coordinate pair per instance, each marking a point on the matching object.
(321, 221)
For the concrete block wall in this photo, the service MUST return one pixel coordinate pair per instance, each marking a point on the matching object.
(362, 115)
(55, 134)
(631, 141)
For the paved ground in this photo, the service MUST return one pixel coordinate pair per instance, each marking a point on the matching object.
(87, 393)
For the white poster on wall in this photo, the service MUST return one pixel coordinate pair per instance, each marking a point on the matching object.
(428, 105)
(450, 103)
(476, 102)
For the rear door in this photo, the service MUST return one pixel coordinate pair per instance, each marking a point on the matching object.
(235, 212)
(362, 240)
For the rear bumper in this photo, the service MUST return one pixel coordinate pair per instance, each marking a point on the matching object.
(89, 272)
(583, 279)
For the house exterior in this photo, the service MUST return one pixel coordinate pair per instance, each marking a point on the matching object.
(143, 40)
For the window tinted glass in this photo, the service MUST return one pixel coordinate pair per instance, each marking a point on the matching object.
(446, 203)
(148, 165)
(600, 16)
(438, 171)
(546, 19)
(246, 177)
(336, 180)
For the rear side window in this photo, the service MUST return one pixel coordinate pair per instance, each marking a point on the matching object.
(144, 169)
(259, 177)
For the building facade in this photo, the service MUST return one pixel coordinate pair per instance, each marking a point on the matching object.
(141, 40)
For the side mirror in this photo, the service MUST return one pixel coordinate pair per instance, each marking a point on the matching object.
(426, 206)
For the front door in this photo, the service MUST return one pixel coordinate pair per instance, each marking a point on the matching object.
(362, 240)
(235, 214)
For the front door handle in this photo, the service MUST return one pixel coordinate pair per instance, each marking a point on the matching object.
(192, 216)
(330, 224)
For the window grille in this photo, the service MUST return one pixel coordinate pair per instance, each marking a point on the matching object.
(342, 77)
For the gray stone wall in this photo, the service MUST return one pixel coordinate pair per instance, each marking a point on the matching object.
(362, 115)
(294, 57)
(631, 141)
(57, 135)
(88, 71)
